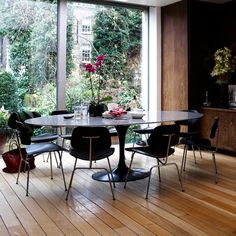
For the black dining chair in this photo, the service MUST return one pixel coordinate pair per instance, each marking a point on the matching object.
(91, 144)
(191, 130)
(64, 136)
(32, 129)
(141, 131)
(204, 144)
(31, 150)
(24, 115)
(160, 146)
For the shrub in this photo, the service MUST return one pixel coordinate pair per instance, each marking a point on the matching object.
(8, 97)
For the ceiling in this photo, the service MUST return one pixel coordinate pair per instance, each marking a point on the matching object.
(161, 3)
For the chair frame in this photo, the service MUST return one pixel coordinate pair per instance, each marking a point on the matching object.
(210, 149)
(90, 159)
(26, 160)
(159, 164)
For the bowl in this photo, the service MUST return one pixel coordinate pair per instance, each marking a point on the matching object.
(136, 115)
(69, 116)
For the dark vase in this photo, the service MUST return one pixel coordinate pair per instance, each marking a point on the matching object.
(97, 109)
(222, 95)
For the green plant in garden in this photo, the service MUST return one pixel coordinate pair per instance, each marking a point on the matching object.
(8, 97)
(117, 35)
(4, 116)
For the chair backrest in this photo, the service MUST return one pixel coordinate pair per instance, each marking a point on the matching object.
(159, 141)
(214, 128)
(23, 134)
(21, 117)
(80, 141)
(190, 123)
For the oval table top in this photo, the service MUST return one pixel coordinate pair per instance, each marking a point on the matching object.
(161, 116)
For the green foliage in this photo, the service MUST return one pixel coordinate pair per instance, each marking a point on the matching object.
(8, 97)
(3, 120)
(117, 35)
(31, 27)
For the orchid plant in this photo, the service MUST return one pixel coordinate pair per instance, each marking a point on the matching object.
(95, 74)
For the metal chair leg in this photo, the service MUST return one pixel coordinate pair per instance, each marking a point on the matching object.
(195, 160)
(50, 158)
(62, 169)
(214, 167)
(159, 171)
(183, 159)
(149, 180)
(109, 178)
(112, 177)
(72, 176)
(129, 168)
(179, 176)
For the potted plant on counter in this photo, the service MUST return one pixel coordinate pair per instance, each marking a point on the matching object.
(224, 66)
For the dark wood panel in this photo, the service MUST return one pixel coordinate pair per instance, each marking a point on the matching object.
(227, 127)
(174, 56)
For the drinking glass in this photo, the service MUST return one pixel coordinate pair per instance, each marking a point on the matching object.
(84, 109)
(76, 112)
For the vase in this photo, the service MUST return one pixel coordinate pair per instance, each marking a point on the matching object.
(222, 95)
(97, 109)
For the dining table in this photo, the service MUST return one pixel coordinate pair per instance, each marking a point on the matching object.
(121, 125)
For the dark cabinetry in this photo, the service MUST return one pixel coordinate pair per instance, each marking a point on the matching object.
(227, 127)
(191, 32)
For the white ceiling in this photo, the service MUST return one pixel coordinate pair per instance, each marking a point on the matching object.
(161, 3)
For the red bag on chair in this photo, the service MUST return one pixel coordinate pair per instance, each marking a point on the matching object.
(12, 161)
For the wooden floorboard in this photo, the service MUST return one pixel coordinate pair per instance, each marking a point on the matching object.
(204, 208)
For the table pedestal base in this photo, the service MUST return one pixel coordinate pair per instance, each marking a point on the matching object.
(134, 174)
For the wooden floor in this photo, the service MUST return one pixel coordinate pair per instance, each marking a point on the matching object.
(205, 208)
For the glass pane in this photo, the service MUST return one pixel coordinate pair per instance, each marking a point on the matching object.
(29, 55)
(110, 38)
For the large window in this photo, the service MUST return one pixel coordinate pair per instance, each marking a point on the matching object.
(111, 31)
(35, 62)
(30, 29)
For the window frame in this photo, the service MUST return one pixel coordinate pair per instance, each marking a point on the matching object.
(151, 55)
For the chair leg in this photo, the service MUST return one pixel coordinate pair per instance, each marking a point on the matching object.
(112, 177)
(58, 165)
(149, 180)
(179, 175)
(18, 175)
(199, 149)
(72, 175)
(50, 158)
(109, 178)
(214, 167)
(195, 160)
(27, 185)
(183, 159)
(159, 170)
(130, 164)
(62, 169)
